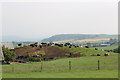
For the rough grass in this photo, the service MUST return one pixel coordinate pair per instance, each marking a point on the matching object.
(83, 67)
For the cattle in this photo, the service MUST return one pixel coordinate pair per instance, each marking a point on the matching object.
(86, 46)
(67, 44)
(40, 46)
(94, 55)
(98, 54)
(44, 44)
(32, 45)
(60, 45)
(20, 44)
(70, 46)
(76, 46)
(96, 48)
(106, 54)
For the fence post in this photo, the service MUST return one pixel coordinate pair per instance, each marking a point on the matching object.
(69, 65)
(98, 65)
(41, 66)
(12, 68)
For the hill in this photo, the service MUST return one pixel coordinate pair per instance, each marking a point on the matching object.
(74, 37)
(55, 51)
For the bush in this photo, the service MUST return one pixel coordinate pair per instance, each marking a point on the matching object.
(117, 50)
(41, 53)
(8, 55)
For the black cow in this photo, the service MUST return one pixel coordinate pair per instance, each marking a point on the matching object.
(106, 54)
(70, 46)
(98, 54)
(67, 44)
(20, 44)
(33, 45)
(96, 48)
(40, 46)
(86, 46)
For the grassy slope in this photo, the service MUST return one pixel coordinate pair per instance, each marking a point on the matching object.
(83, 67)
(84, 51)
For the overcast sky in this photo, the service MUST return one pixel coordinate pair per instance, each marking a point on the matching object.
(49, 17)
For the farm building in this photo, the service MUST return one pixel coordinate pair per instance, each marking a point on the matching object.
(8, 45)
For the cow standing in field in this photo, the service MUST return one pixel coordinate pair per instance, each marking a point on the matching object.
(96, 48)
(60, 45)
(20, 44)
(106, 54)
(67, 44)
(40, 46)
(34, 45)
(44, 44)
(86, 46)
(98, 54)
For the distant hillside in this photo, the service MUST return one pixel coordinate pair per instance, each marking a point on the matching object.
(75, 37)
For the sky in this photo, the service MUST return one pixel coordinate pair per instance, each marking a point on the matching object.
(32, 19)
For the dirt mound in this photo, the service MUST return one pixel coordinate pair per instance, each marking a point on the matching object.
(54, 51)
(23, 51)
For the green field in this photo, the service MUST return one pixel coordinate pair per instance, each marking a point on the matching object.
(82, 67)
(108, 47)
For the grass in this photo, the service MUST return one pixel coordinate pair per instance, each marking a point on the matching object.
(82, 67)
(84, 51)
(108, 47)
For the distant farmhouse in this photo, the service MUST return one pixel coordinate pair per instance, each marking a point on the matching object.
(8, 45)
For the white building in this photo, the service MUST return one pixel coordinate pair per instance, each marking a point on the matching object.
(8, 45)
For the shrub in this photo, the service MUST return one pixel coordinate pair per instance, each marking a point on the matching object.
(8, 55)
(41, 53)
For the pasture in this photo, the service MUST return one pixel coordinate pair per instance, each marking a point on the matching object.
(81, 67)
(108, 47)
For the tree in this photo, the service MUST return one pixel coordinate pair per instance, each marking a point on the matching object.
(117, 50)
(8, 55)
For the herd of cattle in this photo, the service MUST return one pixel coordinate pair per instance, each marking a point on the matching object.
(36, 44)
